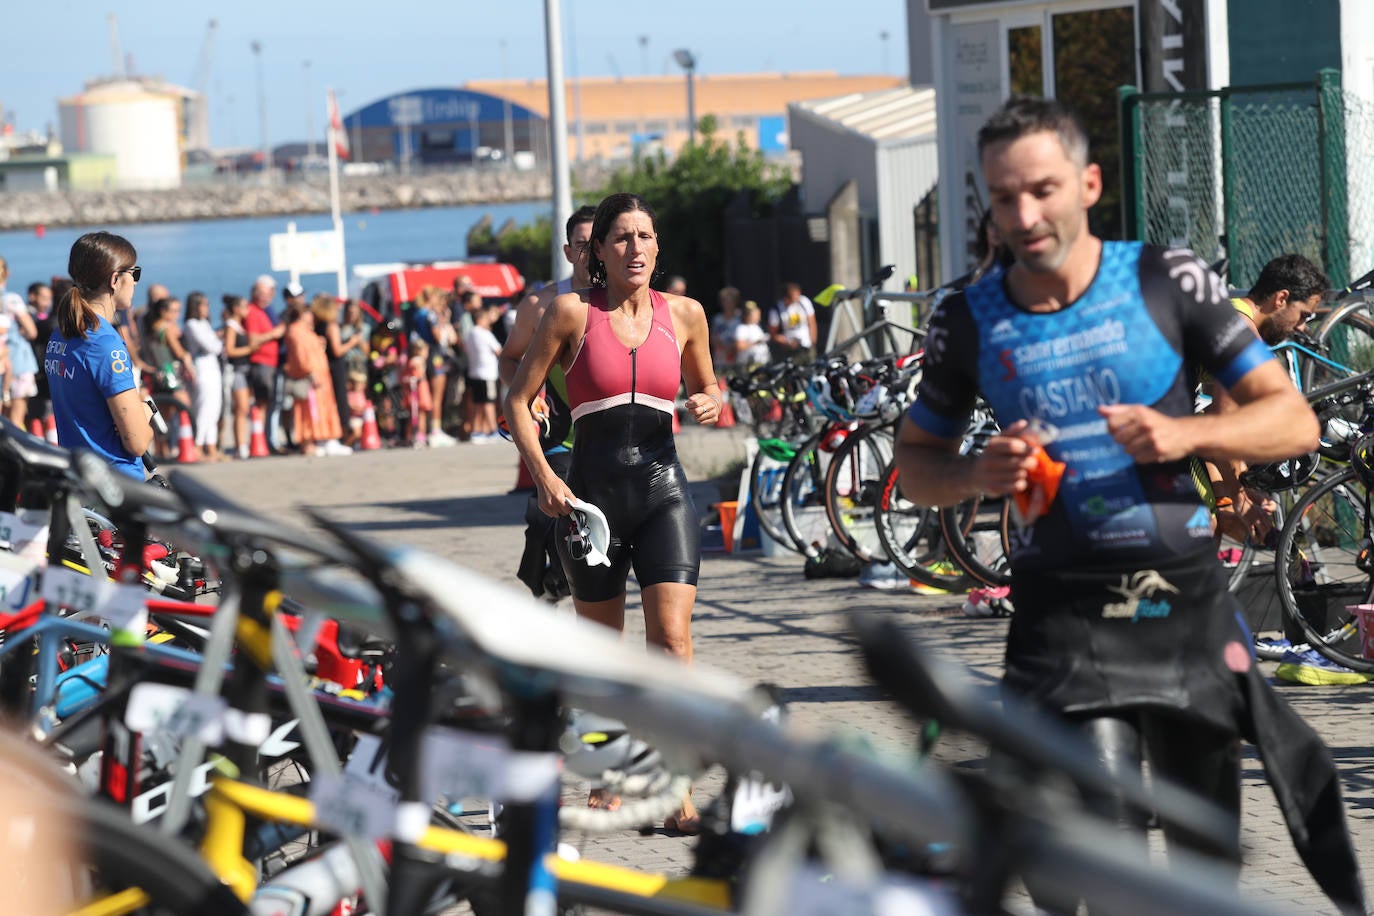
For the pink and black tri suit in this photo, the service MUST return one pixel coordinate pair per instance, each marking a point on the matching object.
(624, 459)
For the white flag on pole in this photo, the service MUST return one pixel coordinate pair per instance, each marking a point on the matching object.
(336, 128)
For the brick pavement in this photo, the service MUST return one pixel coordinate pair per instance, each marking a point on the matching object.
(758, 618)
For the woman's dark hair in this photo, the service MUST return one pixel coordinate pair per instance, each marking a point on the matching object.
(607, 212)
(293, 313)
(231, 305)
(94, 257)
(195, 300)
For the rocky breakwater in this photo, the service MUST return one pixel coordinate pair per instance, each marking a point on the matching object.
(25, 209)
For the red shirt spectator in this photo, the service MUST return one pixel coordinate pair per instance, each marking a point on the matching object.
(259, 322)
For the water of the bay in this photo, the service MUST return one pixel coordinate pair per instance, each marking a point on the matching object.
(225, 256)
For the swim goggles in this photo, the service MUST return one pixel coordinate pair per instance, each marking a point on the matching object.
(590, 537)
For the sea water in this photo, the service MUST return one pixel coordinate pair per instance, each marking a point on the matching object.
(227, 255)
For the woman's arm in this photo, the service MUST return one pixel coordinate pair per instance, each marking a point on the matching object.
(557, 333)
(26, 326)
(131, 415)
(179, 351)
(334, 340)
(689, 320)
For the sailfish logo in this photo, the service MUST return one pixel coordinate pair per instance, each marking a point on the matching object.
(1136, 590)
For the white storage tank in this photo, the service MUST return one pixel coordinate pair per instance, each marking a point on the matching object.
(141, 129)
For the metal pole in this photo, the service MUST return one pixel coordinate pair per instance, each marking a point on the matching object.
(558, 137)
(691, 106)
(506, 113)
(262, 115)
(309, 116)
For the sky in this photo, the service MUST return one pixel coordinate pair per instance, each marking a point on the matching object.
(373, 50)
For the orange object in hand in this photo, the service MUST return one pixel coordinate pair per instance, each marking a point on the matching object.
(1042, 485)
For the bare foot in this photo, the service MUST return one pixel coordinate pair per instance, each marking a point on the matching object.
(600, 798)
(686, 820)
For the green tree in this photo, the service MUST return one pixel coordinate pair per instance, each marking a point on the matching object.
(690, 194)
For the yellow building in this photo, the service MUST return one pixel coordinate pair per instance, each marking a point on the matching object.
(609, 117)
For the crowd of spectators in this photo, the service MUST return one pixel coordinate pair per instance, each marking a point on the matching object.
(313, 371)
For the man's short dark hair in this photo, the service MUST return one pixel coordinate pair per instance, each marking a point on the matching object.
(1292, 272)
(583, 214)
(1022, 115)
(35, 287)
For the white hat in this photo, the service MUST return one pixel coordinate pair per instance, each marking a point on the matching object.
(592, 532)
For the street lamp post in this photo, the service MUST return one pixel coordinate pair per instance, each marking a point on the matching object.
(688, 62)
(309, 115)
(262, 114)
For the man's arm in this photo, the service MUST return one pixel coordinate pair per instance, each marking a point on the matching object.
(933, 473)
(527, 315)
(1272, 421)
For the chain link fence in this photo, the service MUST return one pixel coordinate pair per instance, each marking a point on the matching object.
(1251, 173)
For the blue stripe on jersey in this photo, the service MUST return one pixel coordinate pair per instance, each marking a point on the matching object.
(934, 423)
(1256, 354)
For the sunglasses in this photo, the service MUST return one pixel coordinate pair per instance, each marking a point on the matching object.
(136, 271)
(580, 537)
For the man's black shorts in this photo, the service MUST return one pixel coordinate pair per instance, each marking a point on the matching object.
(261, 380)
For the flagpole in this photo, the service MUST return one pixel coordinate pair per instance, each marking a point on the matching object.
(333, 144)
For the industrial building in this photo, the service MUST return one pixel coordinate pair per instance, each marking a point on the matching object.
(147, 124)
(608, 118)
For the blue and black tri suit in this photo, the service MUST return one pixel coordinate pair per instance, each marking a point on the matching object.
(1123, 621)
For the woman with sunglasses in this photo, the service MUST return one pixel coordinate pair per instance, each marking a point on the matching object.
(95, 399)
(624, 349)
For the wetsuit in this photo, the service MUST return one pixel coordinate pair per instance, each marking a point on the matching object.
(624, 460)
(1123, 622)
(540, 567)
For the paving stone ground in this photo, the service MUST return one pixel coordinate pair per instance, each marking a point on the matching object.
(758, 618)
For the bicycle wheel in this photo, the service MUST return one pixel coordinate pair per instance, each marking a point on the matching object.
(978, 532)
(1346, 337)
(1323, 566)
(853, 486)
(803, 498)
(765, 493)
(910, 536)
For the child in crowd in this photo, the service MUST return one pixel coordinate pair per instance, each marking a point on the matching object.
(483, 351)
(357, 407)
(415, 387)
(751, 340)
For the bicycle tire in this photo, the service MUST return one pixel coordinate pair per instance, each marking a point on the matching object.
(765, 495)
(978, 533)
(1347, 336)
(910, 536)
(853, 486)
(1322, 562)
(803, 498)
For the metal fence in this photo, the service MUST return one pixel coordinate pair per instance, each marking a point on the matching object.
(1252, 172)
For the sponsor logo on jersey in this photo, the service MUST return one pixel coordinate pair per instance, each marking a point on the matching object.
(1138, 591)
(1100, 506)
(1200, 525)
(1003, 330)
(1103, 340)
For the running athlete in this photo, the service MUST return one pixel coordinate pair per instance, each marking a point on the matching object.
(95, 400)
(540, 568)
(623, 348)
(1087, 351)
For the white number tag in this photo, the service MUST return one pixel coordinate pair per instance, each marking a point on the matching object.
(461, 764)
(83, 594)
(354, 806)
(177, 711)
(18, 581)
(755, 803)
(26, 532)
(127, 611)
(814, 893)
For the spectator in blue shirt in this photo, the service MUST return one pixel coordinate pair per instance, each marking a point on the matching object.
(95, 400)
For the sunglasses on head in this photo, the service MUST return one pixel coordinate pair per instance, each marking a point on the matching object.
(136, 271)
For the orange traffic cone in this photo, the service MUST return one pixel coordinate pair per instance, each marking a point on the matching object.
(727, 413)
(186, 440)
(50, 428)
(372, 437)
(36, 428)
(257, 441)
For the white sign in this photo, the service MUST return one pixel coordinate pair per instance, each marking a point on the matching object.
(307, 252)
